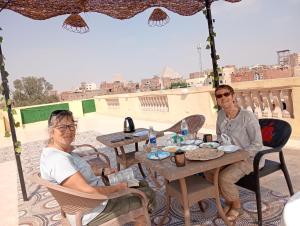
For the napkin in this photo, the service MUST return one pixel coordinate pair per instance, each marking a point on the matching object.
(226, 140)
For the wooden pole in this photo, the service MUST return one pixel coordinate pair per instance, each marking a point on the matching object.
(4, 75)
(212, 43)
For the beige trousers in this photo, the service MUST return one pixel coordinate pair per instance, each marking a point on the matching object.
(228, 176)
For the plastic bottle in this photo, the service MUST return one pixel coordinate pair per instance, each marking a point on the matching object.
(184, 129)
(152, 139)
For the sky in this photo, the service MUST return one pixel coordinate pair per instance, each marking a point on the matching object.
(247, 33)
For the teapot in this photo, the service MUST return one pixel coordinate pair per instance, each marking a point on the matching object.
(128, 125)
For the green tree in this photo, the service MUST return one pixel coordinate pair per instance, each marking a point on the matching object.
(31, 91)
(177, 85)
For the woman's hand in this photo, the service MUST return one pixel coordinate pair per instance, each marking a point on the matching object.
(108, 171)
(123, 185)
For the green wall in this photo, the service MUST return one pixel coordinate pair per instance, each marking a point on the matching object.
(41, 113)
(88, 106)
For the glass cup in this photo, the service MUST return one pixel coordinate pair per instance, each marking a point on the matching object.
(207, 138)
(179, 158)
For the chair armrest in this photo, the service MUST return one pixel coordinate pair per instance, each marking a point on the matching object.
(260, 154)
(96, 152)
(129, 191)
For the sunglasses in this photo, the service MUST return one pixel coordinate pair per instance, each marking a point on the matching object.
(227, 94)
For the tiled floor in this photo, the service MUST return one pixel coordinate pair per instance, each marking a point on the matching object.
(106, 124)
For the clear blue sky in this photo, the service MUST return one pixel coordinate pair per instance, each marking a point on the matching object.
(248, 33)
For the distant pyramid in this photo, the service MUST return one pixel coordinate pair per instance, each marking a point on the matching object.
(169, 72)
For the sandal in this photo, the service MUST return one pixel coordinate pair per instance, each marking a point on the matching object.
(233, 214)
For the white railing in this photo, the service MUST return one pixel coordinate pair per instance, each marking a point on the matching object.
(276, 103)
(154, 103)
(112, 103)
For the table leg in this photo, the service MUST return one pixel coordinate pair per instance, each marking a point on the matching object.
(117, 154)
(139, 164)
(141, 170)
(218, 201)
(168, 203)
(185, 202)
(153, 178)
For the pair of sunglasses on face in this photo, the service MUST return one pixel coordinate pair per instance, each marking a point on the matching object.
(218, 96)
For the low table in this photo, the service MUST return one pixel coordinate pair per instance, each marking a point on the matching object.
(118, 140)
(182, 183)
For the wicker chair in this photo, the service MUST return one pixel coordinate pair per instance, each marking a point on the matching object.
(195, 122)
(76, 203)
(96, 159)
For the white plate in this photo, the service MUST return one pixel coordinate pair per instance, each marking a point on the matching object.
(209, 145)
(171, 149)
(189, 147)
(228, 148)
(195, 142)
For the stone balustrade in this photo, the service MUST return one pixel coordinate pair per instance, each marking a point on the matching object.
(269, 103)
(112, 103)
(278, 98)
(154, 103)
(274, 98)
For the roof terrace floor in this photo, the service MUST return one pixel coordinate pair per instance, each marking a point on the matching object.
(106, 124)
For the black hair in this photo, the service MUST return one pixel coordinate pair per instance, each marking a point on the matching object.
(228, 87)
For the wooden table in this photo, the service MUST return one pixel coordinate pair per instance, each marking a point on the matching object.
(118, 140)
(188, 188)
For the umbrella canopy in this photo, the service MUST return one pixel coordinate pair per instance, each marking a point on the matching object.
(119, 9)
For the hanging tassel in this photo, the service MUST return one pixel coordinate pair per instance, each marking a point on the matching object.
(75, 23)
(158, 18)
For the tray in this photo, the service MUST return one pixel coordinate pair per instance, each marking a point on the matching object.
(204, 154)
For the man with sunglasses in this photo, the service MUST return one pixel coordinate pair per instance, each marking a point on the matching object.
(241, 127)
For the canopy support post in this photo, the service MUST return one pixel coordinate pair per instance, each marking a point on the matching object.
(4, 75)
(212, 43)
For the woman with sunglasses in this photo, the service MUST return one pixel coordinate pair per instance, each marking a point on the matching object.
(241, 128)
(58, 164)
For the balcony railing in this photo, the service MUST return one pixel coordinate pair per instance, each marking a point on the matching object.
(276, 103)
(154, 103)
(112, 103)
(276, 98)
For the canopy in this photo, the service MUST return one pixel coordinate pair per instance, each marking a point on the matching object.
(119, 9)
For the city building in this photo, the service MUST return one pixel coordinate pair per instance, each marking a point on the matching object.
(151, 84)
(79, 94)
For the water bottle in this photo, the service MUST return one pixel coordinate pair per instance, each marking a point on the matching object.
(184, 129)
(152, 139)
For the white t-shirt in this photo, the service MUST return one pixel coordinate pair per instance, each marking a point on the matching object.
(56, 166)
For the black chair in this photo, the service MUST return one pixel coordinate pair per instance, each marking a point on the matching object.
(275, 134)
